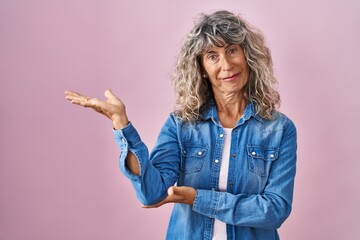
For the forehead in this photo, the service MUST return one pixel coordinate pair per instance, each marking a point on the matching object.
(215, 48)
(211, 44)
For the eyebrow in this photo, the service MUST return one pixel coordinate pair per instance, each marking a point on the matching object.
(212, 51)
(209, 52)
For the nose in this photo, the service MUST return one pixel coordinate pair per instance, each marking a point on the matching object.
(226, 64)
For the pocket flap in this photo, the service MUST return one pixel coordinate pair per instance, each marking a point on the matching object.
(193, 151)
(267, 154)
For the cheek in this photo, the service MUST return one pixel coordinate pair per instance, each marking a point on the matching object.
(213, 81)
(245, 69)
(212, 71)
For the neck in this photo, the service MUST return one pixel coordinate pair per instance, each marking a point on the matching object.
(230, 108)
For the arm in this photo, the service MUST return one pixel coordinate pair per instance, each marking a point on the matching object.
(157, 171)
(150, 178)
(114, 109)
(266, 210)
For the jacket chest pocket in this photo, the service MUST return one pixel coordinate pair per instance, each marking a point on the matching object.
(260, 159)
(193, 157)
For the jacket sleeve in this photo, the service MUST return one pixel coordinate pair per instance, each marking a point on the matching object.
(268, 209)
(159, 170)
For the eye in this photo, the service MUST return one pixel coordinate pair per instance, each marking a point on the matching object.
(212, 57)
(233, 50)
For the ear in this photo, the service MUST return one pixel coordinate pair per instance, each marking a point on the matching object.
(203, 72)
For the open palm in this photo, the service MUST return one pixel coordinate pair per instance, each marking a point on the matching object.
(113, 108)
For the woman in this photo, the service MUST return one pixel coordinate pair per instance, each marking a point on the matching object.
(229, 151)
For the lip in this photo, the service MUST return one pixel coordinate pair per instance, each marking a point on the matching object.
(231, 78)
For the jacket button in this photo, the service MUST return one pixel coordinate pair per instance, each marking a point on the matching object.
(233, 155)
(253, 153)
(216, 161)
(200, 153)
(221, 135)
(272, 155)
(123, 139)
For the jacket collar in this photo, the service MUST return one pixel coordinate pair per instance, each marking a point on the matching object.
(210, 112)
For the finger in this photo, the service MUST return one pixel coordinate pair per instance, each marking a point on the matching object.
(171, 191)
(72, 97)
(166, 200)
(177, 191)
(80, 100)
(93, 103)
(174, 196)
(99, 106)
(72, 93)
(109, 94)
(171, 198)
(183, 194)
(153, 206)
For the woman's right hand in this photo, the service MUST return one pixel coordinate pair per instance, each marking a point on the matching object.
(113, 108)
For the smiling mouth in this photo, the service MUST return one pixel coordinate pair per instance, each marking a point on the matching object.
(231, 77)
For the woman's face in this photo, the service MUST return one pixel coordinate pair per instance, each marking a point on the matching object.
(226, 67)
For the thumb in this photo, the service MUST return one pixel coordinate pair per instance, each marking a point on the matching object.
(108, 93)
(171, 191)
(176, 191)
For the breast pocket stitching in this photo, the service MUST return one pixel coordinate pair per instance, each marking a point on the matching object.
(260, 159)
(193, 157)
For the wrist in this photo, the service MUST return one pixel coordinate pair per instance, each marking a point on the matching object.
(119, 122)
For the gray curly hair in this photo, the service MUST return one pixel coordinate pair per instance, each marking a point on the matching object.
(218, 29)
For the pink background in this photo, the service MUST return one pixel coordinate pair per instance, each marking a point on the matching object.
(59, 176)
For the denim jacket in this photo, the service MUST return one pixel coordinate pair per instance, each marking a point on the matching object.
(261, 173)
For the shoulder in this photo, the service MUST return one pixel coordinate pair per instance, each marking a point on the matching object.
(174, 117)
(174, 121)
(278, 122)
(282, 119)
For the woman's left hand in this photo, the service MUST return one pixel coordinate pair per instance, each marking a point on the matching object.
(177, 195)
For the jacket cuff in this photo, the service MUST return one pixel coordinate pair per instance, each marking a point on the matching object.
(127, 138)
(206, 202)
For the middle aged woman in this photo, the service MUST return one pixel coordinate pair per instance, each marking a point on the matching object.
(229, 151)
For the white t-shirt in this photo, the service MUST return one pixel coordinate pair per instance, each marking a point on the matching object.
(220, 227)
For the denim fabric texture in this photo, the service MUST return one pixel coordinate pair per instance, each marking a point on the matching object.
(261, 173)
